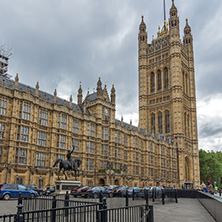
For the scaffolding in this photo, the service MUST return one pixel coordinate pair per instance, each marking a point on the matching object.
(4, 57)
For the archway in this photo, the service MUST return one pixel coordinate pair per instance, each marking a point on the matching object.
(187, 169)
(101, 182)
(116, 182)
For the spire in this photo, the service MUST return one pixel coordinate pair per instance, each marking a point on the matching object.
(55, 94)
(99, 88)
(173, 10)
(113, 95)
(142, 33)
(187, 39)
(70, 101)
(80, 95)
(164, 9)
(16, 81)
(37, 89)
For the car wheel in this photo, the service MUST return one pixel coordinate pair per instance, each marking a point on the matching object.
(111, 195)
(6, 196)
(40, 193)
(32, 195)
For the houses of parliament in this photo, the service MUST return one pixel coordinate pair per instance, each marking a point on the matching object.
(36, 127)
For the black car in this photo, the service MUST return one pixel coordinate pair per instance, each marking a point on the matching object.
(33, 187)
(48, 191)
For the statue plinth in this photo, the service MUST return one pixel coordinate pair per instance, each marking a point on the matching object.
(61, 186)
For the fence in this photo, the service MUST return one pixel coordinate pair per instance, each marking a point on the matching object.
(64, 210)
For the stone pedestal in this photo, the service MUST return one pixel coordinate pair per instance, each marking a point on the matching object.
(61, 186)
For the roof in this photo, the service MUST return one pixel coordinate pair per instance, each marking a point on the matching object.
(10, 84)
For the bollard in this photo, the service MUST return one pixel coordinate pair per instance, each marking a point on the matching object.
(163, 196)
(66, 204)
(133, 194)
(100, 199)
(53, 212)
(104, 212)
(151, 217)
(19, 217)
(176, 196)
(127, 198)
(220, 192)
(153, 194)
(147, 197)
(20, 198)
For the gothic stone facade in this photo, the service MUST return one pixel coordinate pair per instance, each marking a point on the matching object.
(167, 100)
(37, 128)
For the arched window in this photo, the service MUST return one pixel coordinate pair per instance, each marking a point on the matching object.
(159, 80)
(166, 78)
(188, 125)
(185, 124)
(153, 129)
(152, 81)
(160, 123)
(167, 122)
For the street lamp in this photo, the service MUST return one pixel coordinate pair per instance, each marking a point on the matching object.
(214, 171)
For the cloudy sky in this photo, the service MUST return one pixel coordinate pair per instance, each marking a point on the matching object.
(62, 42)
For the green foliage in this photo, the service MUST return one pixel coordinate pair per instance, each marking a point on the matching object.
(117, 170)
(210, 167)
(103, 170)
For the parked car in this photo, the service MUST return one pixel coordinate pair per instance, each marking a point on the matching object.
(118, 191)
(130, 191)
(8, 191)
(48, 191)
(94, 192)
(33, 187)
(78, 191)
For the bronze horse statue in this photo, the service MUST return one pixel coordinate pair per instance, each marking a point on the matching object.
(68, 165)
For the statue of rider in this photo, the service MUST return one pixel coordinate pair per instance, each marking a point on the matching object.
(69, 158)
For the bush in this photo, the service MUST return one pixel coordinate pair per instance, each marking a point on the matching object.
(103, 170)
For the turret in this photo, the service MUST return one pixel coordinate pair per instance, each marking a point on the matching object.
(99, 88)
(174, 21)
(79, 97)
(187, 39)
(142, 38)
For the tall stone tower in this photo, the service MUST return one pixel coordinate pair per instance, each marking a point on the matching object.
(167, 99)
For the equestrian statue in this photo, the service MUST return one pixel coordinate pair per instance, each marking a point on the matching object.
(68, 165)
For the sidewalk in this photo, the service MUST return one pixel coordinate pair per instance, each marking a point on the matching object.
(187, 210)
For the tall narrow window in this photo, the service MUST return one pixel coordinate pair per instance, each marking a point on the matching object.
(23, 133)
(166, 78)
(152, 82)
(153, 129)
(160, 123)
(91, 130)
(2, 129)
(75, 126)
(43, 118)
(42, 138)
(24, 111)
(167, 122)
(40, 159)
(75, 145)
(3, 106)
(188, 125)
(0, 154)
(185, 124)
(62, 119)
(159, 80)
(20, 156)
(61, 141)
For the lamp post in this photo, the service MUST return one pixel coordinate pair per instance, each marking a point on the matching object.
(214, 172)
